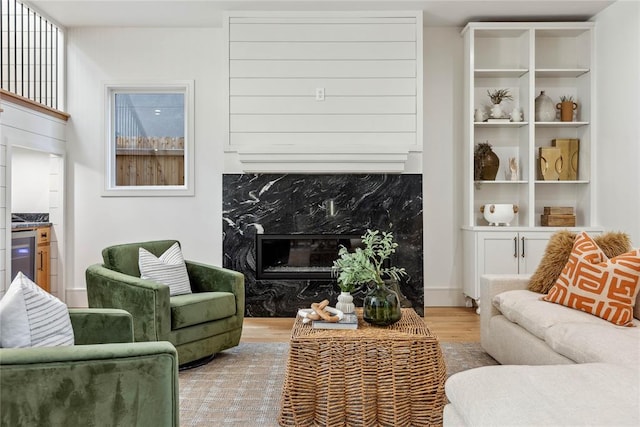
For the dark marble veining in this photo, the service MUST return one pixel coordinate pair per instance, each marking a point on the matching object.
(29, 220)
(319, 204)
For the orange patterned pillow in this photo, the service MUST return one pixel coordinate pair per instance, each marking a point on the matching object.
(592, 283)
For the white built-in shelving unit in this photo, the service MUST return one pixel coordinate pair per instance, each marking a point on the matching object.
(526, 58)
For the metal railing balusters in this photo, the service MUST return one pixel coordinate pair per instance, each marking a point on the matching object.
(29, 63)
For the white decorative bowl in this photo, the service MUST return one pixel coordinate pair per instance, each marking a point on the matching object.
(499, 213)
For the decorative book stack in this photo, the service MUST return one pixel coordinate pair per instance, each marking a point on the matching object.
(348, 321)
(558, 216)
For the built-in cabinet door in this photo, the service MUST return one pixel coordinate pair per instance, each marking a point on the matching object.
(531, 249)
(498, 252)
(43, 258)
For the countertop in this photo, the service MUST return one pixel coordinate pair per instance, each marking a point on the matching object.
(35, 224)
(29, 220)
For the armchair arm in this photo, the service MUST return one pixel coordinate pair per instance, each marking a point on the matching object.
(146, 300)
(102, 384)
(101, 325)
(209, 278)
(490, 286)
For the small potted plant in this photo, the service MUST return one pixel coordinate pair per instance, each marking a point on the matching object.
(566, 107)
(485, 162)
(365, 265)
(496, 97)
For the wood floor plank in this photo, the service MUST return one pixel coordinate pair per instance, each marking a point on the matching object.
(450, 324)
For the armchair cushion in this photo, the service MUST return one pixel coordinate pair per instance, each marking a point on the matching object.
(168, 269)
(32, 317)
(192, 309)
(124, 258)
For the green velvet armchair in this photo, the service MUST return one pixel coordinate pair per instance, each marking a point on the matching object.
(199, 324)
(104, 380)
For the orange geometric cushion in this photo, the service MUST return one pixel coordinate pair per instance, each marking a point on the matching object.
(592, 283)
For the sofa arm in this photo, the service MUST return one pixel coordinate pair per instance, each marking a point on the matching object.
(103, 384)
(146, 300)
(490, 286)
(208, 278)
(101, 325)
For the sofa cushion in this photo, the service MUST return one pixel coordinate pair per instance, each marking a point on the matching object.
(556, 395)
(169, 269)
(557, 254)
(192, 309)
(594, 284)
(527, 309)
(32, 317)
(596, 342)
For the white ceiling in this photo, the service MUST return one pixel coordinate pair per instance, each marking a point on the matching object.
(207, 13)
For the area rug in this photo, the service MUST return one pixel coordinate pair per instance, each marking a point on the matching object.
(242, 386)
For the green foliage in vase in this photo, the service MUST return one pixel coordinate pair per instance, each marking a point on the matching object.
(499, 95)
(566, 98)
(365, 265)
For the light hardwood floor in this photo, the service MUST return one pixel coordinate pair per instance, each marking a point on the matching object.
(450, 324)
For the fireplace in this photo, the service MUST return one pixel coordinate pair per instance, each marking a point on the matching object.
(300, 256)
(282, 231)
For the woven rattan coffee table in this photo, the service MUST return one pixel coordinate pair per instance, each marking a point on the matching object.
(391, 376)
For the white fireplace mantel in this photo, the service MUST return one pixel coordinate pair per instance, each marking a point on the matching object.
(323, 159)
(312, 91)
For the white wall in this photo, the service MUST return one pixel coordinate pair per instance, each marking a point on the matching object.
(96, 55)
(99, 55)
(618, 112)
(29, 180)
(442, 165)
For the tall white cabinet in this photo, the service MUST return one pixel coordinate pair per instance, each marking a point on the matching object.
(525, 58)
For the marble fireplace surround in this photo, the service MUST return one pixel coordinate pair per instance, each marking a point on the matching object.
(319, 204)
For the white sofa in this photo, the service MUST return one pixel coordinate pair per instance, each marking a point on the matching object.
(602, 387)
(528, 331)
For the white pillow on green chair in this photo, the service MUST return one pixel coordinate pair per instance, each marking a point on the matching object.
(32, 317)
(168, 269)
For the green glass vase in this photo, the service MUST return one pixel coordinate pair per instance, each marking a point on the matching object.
(381, 306)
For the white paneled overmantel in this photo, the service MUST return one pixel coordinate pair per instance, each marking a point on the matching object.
(324, 91)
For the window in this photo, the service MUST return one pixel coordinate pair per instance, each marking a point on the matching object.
(150, 140)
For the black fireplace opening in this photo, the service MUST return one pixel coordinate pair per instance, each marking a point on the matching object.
(300, 256)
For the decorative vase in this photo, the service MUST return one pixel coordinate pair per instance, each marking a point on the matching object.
(490, 165)
(381, 306)
(496, 111)
(545, 108)
(566, 110)
(516, 115)
(345, 303)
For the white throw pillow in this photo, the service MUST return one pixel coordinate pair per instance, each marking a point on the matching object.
(32, 317)
(168, 269)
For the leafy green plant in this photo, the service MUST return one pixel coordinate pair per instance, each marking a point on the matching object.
(499, 95)
(365, 265)
(566, 98)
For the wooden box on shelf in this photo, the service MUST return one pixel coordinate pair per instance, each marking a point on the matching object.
(558, 210)
(558, 216)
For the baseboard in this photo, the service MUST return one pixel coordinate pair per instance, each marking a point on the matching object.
(444, 297)
(76, 298)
